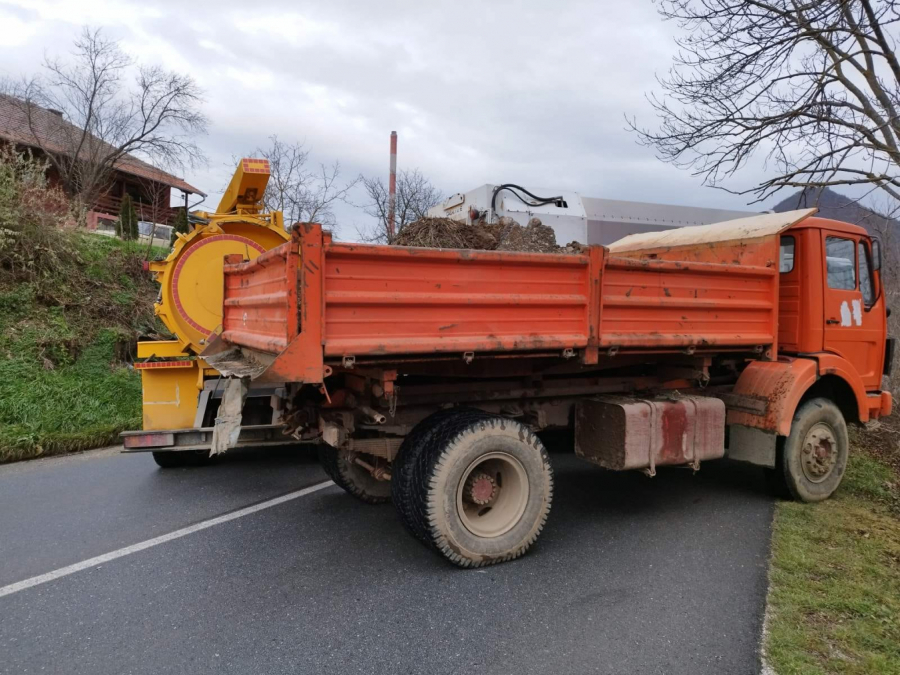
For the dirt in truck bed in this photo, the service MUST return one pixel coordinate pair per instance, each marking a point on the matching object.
(504, 235)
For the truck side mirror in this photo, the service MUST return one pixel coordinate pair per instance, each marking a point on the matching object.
(876, 254)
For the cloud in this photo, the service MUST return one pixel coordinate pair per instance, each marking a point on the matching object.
(479, 92)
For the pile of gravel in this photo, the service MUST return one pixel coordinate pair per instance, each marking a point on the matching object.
(504, 235)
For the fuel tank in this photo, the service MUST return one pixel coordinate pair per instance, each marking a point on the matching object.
(622, 433)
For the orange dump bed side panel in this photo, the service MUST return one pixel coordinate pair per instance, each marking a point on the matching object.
(364, 300)
(392, 300)
(260, 300)
(670, 304)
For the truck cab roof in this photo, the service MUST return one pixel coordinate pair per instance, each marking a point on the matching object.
(827, 223)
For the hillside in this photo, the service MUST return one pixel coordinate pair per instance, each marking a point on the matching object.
(72, 304)
(837, 207)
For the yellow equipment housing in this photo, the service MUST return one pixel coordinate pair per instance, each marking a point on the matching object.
(190, 299)
(190, 302)
(171, 385)
(246, 189)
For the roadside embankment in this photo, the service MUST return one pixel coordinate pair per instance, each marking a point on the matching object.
(72, 304)
(834, 596)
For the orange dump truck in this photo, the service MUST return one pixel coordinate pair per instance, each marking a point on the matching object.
(425, 375)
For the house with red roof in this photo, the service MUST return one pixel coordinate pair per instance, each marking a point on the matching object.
(43, 130)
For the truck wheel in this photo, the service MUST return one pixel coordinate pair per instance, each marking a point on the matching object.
(351, 477)
(487, 490)
(403, 467)
(168, 459)
(815, 454)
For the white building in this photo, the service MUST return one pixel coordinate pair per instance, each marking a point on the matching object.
(587, 220)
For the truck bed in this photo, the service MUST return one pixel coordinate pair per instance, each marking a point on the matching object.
(313, 301)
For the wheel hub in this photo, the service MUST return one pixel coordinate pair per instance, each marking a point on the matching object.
(492, 494)
(480, 488)
(819, 454)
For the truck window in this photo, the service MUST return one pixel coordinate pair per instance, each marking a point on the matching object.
(841, 263)
(786, 255)
(865, 276)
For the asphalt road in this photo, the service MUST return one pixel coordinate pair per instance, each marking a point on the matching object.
(631, 575)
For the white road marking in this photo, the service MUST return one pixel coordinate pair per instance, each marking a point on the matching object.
(162, 539)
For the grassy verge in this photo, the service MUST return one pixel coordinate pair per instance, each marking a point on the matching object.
(834, 598)
(72, 305)
(76, 406)
(66, 337)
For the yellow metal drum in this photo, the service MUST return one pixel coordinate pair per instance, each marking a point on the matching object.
(191, 277)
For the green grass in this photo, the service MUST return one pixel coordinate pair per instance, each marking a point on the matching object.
(834, 598)
(74, 406)
(66, 337)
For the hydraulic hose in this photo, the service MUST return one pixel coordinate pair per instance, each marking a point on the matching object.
(512, 187)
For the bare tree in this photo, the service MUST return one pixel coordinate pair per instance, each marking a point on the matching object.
(302, 194)
(415, 195)
(288, 174)
(814, 85)
(87, 117)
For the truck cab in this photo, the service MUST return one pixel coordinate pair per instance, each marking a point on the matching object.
(832, 352)
(831, 297)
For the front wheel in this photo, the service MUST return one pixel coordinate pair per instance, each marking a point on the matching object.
(814, 457)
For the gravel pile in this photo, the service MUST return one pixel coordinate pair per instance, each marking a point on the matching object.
(504, 235)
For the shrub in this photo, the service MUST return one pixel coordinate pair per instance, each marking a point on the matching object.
(30, 212)
(180, 226)
(128, 220)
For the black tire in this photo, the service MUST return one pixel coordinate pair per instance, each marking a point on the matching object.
(403, 467)
(815, 454)
(517, 502)
(169, 459)
(352, 478)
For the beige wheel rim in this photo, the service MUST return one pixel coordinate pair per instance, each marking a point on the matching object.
(492, 494)
(819, 453)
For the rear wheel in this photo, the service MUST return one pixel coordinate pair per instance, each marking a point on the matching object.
(341, 467)
(484, 486)
(403, 472)
(814, 456)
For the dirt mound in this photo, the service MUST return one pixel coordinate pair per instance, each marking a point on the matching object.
(504, 235)
(447, 233)
(535, 237)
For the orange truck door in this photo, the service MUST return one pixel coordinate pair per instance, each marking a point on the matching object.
(851, 329)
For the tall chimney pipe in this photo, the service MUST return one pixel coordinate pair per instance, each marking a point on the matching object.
(392, 190)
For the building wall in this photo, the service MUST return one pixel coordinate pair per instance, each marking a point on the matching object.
(609, 220)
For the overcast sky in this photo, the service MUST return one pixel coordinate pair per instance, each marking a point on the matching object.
(479, 92)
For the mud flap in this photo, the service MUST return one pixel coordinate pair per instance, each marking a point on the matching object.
(756, 446)
(227, 427)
